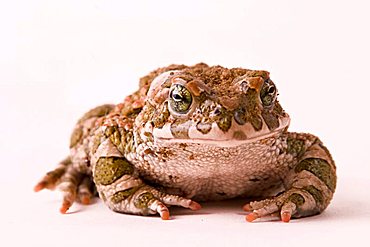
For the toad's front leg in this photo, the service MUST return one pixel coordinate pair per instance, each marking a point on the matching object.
(121, 188)
(309, 184)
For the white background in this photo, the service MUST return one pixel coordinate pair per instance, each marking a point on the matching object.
(60, 58)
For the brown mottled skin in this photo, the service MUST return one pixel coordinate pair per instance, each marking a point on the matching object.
(194, 134)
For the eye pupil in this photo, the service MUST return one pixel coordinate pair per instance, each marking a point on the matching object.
(176, 96)
(271, 90)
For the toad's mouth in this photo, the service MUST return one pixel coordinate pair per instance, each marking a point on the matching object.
(236, 135)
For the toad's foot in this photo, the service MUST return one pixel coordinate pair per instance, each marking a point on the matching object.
(310, 194)
(309, 184)
(75, 186)
(146, 200)
(292, 203)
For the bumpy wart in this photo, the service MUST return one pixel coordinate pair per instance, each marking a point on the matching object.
(109, 169)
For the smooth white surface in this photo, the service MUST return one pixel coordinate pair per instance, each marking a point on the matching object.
(37, 222)
(60, 58)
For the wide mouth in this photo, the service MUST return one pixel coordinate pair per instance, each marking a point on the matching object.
(235, 136)
(220, 143)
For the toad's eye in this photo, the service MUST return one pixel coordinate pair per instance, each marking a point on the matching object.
(180, 98)
(268, 93)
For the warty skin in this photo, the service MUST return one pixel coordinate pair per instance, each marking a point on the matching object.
(196, 133)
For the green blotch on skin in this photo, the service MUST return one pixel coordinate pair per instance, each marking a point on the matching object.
(252, 109)
(113, 133)
(256, 122)
(278, 109)
(180, 130)
(297, 199)
(109, 169)
(129, 145)
(160, 118)
(224, 122)
(295, 146)
(123, 194)
(134, 112)
(75, 137)
(251, 101)
(96, 141)
(202, 97)
(321, 169)
(122, 139)
(239, 135)
(240, 116)
(143, 200)
(316, 194)
(271, 120)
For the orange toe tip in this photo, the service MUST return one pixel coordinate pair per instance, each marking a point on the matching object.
(285, 217)
(65, 208)
(195, 206)
(251, 217)
(39, 186)
(165, 215)
(247, 208)
(85, 200)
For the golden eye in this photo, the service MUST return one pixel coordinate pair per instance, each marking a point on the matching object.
(268, 93)
(180, 99)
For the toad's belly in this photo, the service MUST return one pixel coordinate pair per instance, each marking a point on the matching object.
(208, 172)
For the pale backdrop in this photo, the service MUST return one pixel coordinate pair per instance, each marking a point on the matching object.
(60, 58)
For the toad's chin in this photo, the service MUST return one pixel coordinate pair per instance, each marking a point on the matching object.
(236, 135)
